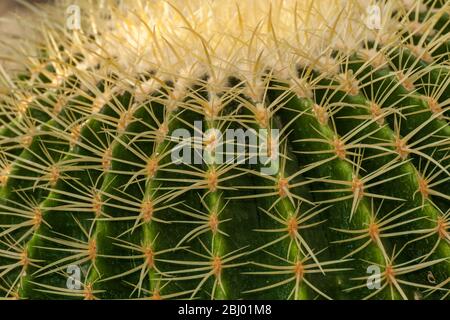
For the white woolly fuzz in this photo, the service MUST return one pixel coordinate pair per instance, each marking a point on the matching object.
(217, 38)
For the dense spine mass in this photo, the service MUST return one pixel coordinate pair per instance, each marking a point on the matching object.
(354, 119)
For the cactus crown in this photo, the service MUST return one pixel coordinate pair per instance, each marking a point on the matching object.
(349, 105)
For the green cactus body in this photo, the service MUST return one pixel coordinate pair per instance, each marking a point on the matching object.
(338, 172)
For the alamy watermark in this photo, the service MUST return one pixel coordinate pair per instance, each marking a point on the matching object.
(373, 17)
(74, 277)
(73, 17)
(237, 146)
(374, 279)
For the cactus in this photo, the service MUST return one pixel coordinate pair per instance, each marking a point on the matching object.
(344, 195)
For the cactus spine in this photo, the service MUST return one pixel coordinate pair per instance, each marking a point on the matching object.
(90, 119)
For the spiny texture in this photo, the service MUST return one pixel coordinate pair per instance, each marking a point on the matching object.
(89, 120)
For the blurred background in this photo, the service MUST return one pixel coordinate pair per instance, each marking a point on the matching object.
(6, 6)
(9, 24)
(8, 10)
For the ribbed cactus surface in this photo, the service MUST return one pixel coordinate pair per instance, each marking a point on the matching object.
(118, 178)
